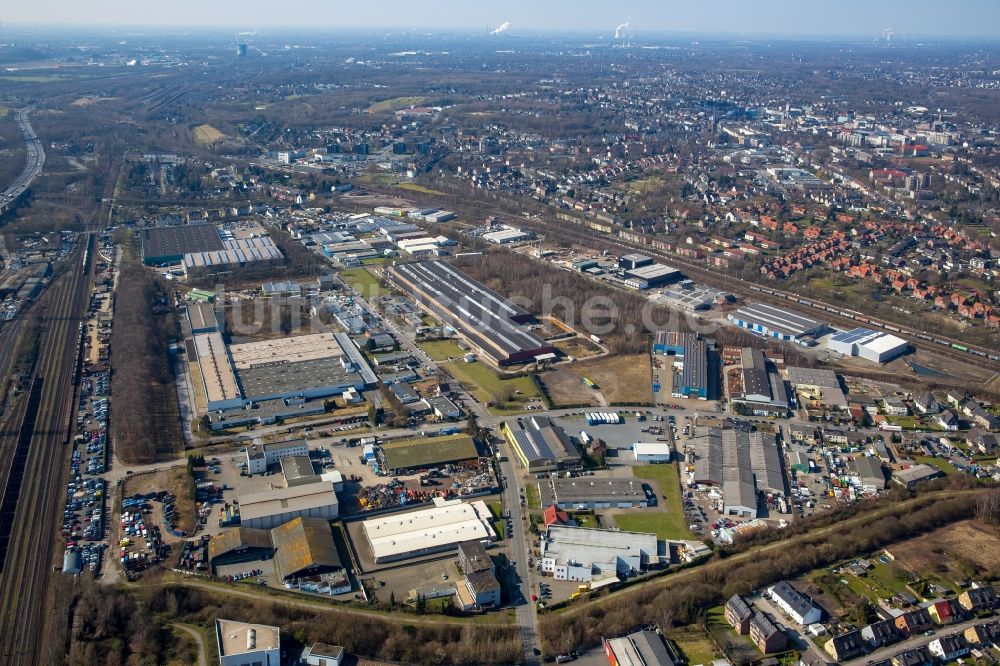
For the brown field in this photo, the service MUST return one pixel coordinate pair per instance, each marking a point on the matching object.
(952, 552)
(206, 135)
(578, 347)
(621, 379)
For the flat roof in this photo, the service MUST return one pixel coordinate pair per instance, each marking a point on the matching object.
(429, 451)
(588, 545)
(776, 319)
(652, 271)
(884, 343)
(202, 316)
(594, 489)
(297, 467)
(813, 377)
(652, 449)
(486, 319)
(216, 370)
(162, 242)
(233, 637)
(445, 524)
(695, 372)
(282, 378)
(287, 350)
(282, 500)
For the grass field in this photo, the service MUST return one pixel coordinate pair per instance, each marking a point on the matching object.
(669, 522)
(206, 135)
(578, 347)
(364, 283)
(951, 552)
(413, 187)
(531, 496)
(489, 388)
(429, 451)
(697, 646)
(441, 350)
(939, 463)
(395, 104)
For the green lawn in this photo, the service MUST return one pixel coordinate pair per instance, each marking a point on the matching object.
(531, 496)
(669, 522)
(441, 350)
(695, 644)
(490, 388)
(584, 518)
(940, 463)
(363, 282)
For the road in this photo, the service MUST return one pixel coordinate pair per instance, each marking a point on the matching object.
(34, 160)
(199, 641)
(912, 642)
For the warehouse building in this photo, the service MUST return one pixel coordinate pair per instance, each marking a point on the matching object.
(641, 648)
(590, 554)
(260, 456)
(480, 574)
(507, 235)
(598, 493)
(764, 392)
(630, 262)
(235, 252)
(237, 545)
(651, 276)
(242, 644)
(540, 445)
(485, 320)
(411, 455)
(771, 322)
(652, 452)
(741, 464)
(818, 387)
(168, 245)
(202, 318)
(306, 556)
(869, 475)
(672, 343)
(694, 373)
(271, 508)
(440, 528)
(875, 346)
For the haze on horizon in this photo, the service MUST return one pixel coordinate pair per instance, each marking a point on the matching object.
(926, 18)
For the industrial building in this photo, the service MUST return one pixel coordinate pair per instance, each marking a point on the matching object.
(486, 321)
(507, 235)
(296, 368)
(876, 346)
(817, 387)
(691, 357)
(590, 492)
(168, 245)
(641, 648)
(243, 644)
(410, 455)
(260, 456)
(540, 445)
(771, 322)
(237, 545)
(202, 318)
(764, 392)
(590, 554)
(234, 251)
(271, 508)
(630, 262)
(440, 528)
(652, 452)
(651, 276)
(480, 574)
(742, 464)
(306, 556)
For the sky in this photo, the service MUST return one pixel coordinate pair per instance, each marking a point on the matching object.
(924, 18)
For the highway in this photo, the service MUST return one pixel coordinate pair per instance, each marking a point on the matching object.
(35, 159)
(33, 454)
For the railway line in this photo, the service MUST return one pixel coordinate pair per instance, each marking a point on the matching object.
(34, 468)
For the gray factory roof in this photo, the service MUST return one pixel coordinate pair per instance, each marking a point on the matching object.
(539, 439)
(585, 545)
(741, 463)
(297, 467)
(178, 241)
(870, 471)
(488, 320)
(813, 377)
(755, 380)
(776, 319)
(695, 372)
(652, 272)
(765, 462)
(357, 358)
(594, 489)
(276, 379)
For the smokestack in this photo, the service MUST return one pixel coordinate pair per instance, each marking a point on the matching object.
(619, 29)
(501, 28)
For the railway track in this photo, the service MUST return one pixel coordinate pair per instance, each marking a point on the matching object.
(38, 469)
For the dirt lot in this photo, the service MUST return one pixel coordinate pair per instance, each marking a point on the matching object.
(566, 388)
(173, 480)
(953, 553)
(578, 347)
(621, 379)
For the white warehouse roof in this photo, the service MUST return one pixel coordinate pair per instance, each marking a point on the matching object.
(652, 449)
(446, 523)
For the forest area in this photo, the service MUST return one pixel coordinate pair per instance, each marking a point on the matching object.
(145, 423)
(113, 627)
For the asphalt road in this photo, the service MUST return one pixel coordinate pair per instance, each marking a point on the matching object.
(912, 642)
(34, 161)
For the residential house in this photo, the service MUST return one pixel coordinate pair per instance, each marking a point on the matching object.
(918, 656)
(846, 646)
(914, 621)
(983, 418)
(553, 515)
(796, 605)
(765, 635)
(987, 443)
(926, 404)
(949, 648)
(947, 420)
(880, 633)
(978, 598)
(942, 612)
(983, 633)
(738, 614)
(894, 406)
